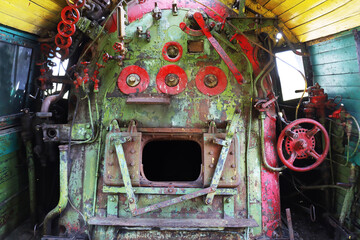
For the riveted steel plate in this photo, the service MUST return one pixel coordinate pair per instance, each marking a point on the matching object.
(132, 150)
(230, 176)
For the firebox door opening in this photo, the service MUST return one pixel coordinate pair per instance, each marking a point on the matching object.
(175, 160)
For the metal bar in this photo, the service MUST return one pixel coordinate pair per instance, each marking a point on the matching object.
(229, 207)
(178, 223)
(200, 21)
(168, 191)
(63, 199)
(112, 205)
(289, 222)
(31, 177)
(173, 201)
(125, 173)
(222, 158)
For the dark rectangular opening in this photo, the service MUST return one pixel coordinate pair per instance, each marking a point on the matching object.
(175, 160)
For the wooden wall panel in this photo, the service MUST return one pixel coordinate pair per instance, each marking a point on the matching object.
(32, 16)
(336, 69)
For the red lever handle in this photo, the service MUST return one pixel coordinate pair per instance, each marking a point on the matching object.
(200, 21)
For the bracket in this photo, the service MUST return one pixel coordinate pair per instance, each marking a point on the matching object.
(223, 155)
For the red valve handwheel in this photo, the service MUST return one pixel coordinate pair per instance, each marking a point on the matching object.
(62, 54)
(66, 29)
(62, 42)
(300, 143)
(45, 48)
(75, 3)
(70, 15)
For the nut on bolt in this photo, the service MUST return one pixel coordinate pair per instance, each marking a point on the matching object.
(131, 200)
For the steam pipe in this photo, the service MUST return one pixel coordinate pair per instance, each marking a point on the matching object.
(63, 199)
(262, 117)
(53, 98)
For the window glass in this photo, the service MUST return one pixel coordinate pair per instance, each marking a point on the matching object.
(290, 79)
(15, 64)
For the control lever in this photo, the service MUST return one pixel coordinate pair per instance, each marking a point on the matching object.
(200, 21)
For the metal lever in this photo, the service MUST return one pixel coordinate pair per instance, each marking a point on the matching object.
(222, 158)
(200, 21)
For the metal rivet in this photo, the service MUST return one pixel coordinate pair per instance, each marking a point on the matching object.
(132, 151)
(233, 177)
(208, 201)
(132, 164)
(231, 153)
(131, 200)
(211, 153)
(222, 178)
(233, 165)
(228, 200)
(211, 165)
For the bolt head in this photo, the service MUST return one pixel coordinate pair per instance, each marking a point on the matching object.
(131, 200)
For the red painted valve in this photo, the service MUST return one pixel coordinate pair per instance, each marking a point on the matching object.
(76, 3)
(94, 77)
(66, 29)
(118, 46)
(62, 42)
(78, 80)
(86, 77)
(70, 15)
(62, 54)
(300, 143)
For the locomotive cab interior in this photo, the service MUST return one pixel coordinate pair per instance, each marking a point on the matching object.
(200, 119)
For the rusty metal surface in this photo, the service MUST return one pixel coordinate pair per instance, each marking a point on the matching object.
(167, 190)
(148, 99)
(178, 223)
(195, 46)
(230, 176)
(132, 150)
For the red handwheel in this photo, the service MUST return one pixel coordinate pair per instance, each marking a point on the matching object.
(299, 143)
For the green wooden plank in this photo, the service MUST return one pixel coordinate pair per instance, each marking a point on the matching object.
(12, 177)
(350, 66)
(13, 212)
(348, 79)
(333, 44)
(351, 105)
(345, 92)
(338, 55)
(8, 142)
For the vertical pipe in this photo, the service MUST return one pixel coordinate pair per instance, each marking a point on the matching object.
(289, 222)
(31, 177)
(63, 199)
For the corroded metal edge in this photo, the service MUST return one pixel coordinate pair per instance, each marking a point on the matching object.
(179, 223)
